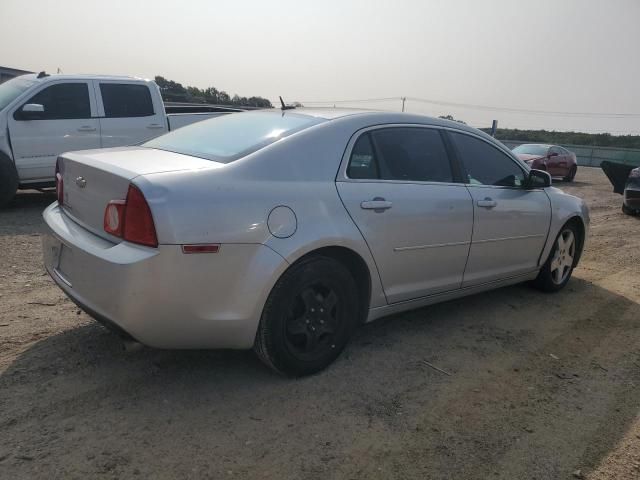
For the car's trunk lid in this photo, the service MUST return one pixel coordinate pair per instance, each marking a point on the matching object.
(93, 178)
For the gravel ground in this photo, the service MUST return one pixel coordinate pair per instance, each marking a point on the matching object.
(541, 386)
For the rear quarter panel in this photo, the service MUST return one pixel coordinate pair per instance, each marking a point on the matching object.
(231, 204)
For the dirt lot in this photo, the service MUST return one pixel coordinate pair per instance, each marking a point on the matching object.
(541, 385)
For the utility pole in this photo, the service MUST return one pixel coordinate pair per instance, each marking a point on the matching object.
(403, 100)
(494, 128)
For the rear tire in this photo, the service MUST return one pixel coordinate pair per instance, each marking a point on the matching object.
(572, 174)
(558, 268)
(8, 180)
(308, 318)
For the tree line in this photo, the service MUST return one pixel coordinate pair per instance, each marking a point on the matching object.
(568, 138)
(175, 92)
(562, 138)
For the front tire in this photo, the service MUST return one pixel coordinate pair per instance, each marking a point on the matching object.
(627, 210)
(572, 174)
(308, 318)
(8, 180)
(558, 268)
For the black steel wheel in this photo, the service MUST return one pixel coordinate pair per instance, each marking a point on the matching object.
(308, 317)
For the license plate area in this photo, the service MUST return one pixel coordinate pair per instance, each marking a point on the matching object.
(64, 262)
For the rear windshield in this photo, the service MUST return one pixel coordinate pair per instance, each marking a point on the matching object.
(532, 149)
(229, 137)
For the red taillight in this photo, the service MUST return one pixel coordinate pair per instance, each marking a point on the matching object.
(59, 184)
(131, 219)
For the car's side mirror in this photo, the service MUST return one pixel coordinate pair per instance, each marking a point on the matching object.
(538, 179)
(553, 154)
(32, 111)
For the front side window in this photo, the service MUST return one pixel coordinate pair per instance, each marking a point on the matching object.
(486, 164)
(529, 149)
(63, 101)
(401, 153)
(126, 100)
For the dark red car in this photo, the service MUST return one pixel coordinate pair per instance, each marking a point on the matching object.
(556, 160)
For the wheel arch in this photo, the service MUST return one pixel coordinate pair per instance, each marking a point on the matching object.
(356, 265)
(577, 221)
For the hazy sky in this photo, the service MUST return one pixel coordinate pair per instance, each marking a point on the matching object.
(550, 55)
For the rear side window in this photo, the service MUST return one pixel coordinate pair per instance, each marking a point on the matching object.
(363, 163)
(126, 100)
(64, 101)
(406, 154)
(229, 137)
(485, 164)
(412, 154)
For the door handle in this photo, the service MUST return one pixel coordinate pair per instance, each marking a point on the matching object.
(87, 128)
(154, 126)
(378, 205)
(487, 203)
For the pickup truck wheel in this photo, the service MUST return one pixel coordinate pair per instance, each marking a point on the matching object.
(308, 318)
(8, 180)
(558, 268)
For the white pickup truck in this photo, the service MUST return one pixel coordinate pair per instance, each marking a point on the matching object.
(42, 116)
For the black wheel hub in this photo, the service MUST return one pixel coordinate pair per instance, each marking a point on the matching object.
(311, 325)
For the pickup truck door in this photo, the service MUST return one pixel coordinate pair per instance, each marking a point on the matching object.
(130, 112)
(511, 223)
(68, 123)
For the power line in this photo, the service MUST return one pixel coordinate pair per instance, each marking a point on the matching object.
(360, 100)
(524, 110)
(481, 107)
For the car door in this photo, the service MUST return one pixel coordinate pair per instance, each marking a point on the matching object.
(511, 222)
(557, 163)
(67, 123)
(128, 113)
(398, 185)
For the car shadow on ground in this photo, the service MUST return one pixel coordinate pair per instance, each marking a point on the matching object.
(23, 214)
(515, 365)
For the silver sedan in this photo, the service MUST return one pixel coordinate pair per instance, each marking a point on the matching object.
(284, 230)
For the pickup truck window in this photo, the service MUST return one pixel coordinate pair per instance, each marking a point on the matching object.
(11, 89)
(126, 100)
(62, 101)
(230, 137)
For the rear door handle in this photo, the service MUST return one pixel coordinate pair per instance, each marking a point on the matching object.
(378, 204)
(87, 128)
(155, 125)
(487, 203)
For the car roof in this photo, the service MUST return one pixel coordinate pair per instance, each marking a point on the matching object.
(376, 116)
(546, 145)
(84, 76)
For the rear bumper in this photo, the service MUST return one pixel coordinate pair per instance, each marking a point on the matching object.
(160, 296)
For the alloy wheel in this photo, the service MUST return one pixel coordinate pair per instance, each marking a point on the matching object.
(562, 261)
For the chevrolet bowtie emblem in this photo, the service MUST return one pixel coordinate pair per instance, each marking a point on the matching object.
(81, 182)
